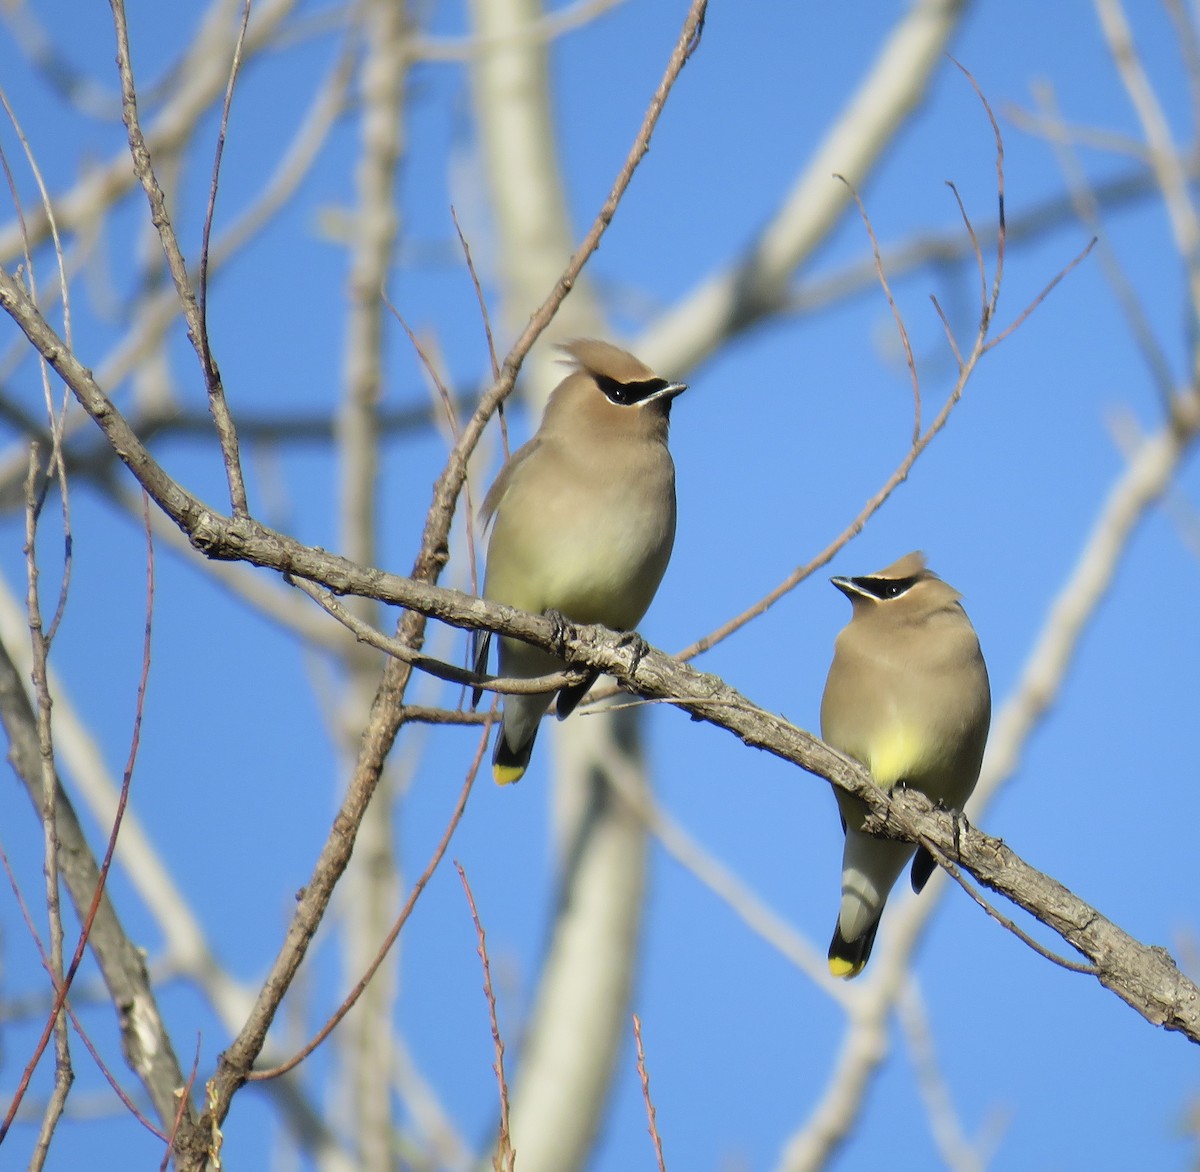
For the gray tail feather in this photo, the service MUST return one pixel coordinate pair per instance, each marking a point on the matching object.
(568, 698)
(481, 642)
(923, 865)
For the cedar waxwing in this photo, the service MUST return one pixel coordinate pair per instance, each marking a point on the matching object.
(908, 697)
(584, 523)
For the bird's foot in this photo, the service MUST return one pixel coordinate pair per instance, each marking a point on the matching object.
(638, 649)
(561, 625)
(959, 820)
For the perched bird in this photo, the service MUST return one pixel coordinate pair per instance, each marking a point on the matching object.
(584, 523)
(908, 697)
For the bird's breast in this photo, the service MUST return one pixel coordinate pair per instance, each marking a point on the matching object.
(595, 546)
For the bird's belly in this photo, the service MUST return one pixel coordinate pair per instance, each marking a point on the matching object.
(608, 575)
(605, 573)
(896, 753)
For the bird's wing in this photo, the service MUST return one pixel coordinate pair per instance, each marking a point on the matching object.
(503, 481)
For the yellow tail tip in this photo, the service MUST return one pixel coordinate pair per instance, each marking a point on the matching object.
(507, 774)
(844, 969)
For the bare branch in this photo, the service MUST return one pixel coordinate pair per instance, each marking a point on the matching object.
(644, 1075)
(144, 168)
(505, 1158)
(393, 935)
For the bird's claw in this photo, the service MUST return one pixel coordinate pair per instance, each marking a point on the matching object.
(638, 649)
(561, 623)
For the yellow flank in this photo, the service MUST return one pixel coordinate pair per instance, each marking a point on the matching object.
(507, 774)
(896, 754)
(845, 969)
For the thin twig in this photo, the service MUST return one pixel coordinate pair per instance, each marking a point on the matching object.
(56, 1023)
(185, 1096)
(56, 418)
(948, 866)
(89, 1045)
(644, 1075)
(505, 1158)
(50, 780)
(1087, 208)
(501, 413)
(896, 316)
(966, 367)
(365, 633)
(1046, 291)
(222, 419)
(479, 297)
(144, 169)
(401, 920)
(1001, 220)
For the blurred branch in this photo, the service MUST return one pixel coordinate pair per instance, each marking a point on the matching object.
(745, 903)
(756, 284)
(1088, 208)
(581, 1000)
(957, 1154)
(535, 33)
(372, 882)
(204, 80)
(1170, 174)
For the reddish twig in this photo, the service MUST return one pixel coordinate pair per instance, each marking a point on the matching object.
(89, 1045)
(644, 1075)
(185, 1093)
(505, 1157)
(966, 366)
(63, 986)
(385, 947)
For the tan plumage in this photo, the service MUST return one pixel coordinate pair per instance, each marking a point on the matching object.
(908, 696)
(584, 522)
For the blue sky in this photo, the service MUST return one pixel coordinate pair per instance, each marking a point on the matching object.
(783, 436)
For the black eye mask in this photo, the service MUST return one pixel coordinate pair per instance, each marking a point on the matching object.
(629, 394)
(885, 588)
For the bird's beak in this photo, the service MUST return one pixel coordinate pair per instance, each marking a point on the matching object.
(667, 392)
(848, 587)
